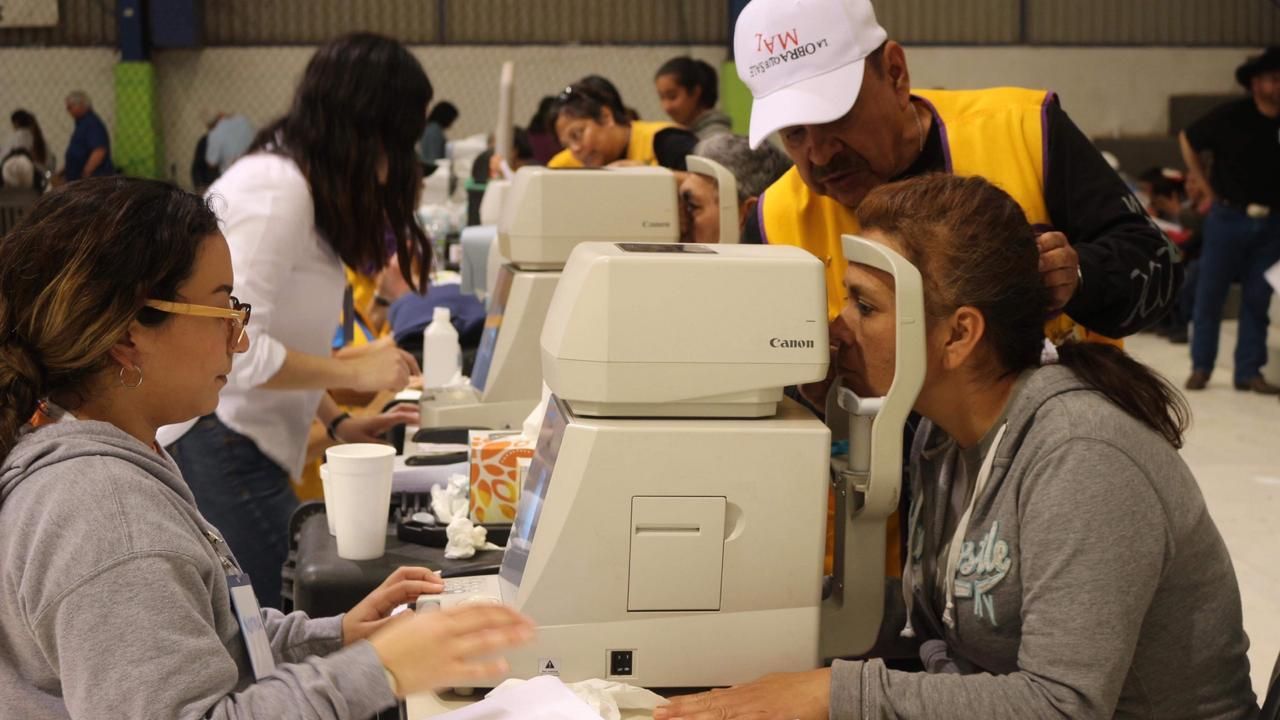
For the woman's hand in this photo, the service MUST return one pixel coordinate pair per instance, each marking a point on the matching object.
(781, 696)
(380, 365)
(451, 647)
(371, 428)
(403, 586)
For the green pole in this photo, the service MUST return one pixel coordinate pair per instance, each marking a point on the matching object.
(138, 150)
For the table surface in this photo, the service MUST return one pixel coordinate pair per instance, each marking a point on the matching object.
(426, 705)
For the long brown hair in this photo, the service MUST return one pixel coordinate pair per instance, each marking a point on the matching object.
(74, 275)
(361, 96)
(974, 247)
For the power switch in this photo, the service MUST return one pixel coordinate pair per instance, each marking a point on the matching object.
(621, 663)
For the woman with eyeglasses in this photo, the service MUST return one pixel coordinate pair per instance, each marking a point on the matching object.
(333, 183)
(117, 317)
(596, 130)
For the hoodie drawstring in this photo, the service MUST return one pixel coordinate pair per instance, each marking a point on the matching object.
(908, 580)
(962, 527)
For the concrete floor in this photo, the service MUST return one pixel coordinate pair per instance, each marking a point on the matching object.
(1233, 448)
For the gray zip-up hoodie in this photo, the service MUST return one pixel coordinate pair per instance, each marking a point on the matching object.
(1091, 581)
(114, 599)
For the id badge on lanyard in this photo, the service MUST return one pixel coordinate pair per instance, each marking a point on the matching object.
(245, 604)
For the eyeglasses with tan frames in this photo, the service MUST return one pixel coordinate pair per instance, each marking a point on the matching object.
(238, 314)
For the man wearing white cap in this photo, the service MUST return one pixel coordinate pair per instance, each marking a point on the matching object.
(826, 77)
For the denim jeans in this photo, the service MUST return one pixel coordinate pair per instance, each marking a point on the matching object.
(245, 494)
(1235, 245)
(1185, 309)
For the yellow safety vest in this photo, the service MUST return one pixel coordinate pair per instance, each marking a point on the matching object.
(639, 146)
(998, 134)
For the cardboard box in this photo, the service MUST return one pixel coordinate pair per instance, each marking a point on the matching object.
(495, 480)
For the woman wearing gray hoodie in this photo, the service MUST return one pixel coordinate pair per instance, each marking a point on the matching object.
(116, 595)
(1062, 562)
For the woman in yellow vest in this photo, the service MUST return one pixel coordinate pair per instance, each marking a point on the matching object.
(597, 130)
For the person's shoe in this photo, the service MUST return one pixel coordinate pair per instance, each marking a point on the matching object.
(1199, 380)
(1179, 336)
(1258, 385)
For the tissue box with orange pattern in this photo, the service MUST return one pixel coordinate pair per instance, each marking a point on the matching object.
(495, 486)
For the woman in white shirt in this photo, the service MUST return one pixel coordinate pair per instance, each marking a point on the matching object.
(325, 186)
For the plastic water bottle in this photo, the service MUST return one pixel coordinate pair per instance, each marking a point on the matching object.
(441, 352)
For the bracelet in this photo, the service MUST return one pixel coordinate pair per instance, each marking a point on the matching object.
(332, 428)
(381, 301)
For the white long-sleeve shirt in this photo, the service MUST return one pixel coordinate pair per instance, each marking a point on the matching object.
(294, 281)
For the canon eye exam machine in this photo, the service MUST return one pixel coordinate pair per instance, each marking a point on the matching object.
(545, 215)
(670, 531)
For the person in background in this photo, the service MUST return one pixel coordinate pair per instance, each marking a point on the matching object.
(322, 188)
(229, 137)
(117, 316)
(1199, 203)
(20, 157)
(1063, 563)
(1241, 140)
(596, 130)
(432, 147)
(542, 133)
(202, 173)
(1165, 190)
(754, 170)
(89, 152)
(29, 138)
(688, 90)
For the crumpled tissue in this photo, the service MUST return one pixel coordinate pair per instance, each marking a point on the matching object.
(607, 698)
(465, 538)
(450, 500)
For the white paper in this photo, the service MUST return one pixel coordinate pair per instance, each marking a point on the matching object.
(542, 698)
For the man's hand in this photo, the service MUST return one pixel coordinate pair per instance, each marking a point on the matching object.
(781, 696)
(1059, 269)
(403, 586)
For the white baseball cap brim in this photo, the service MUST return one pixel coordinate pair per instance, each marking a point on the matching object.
(817, 100)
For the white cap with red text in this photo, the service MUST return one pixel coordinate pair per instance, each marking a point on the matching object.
(803, 59)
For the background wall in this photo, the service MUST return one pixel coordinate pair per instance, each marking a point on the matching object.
(1114, 62)
(1108, 91)
(685, 22)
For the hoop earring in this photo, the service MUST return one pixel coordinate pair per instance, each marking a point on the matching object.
(128, 384)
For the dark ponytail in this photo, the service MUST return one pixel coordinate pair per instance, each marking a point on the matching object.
(974, 248)
(1132, 386)
(23, 381)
